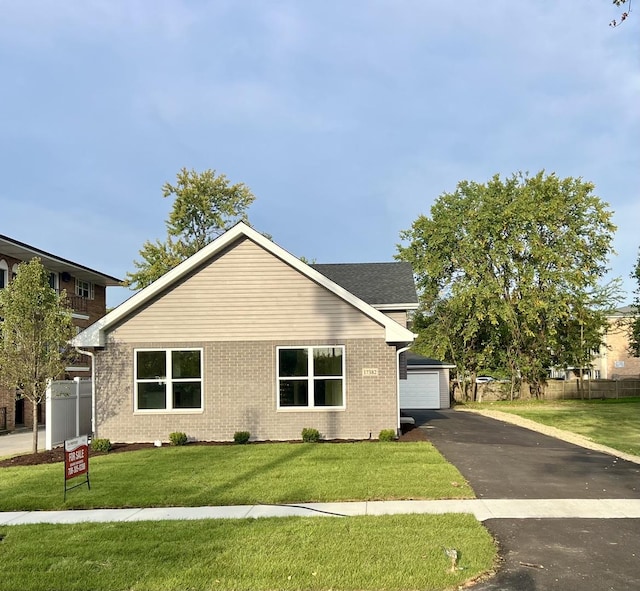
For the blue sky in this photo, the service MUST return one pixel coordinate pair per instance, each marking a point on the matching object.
(346, 119)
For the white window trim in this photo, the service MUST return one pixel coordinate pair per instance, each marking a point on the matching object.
(310, 379)
(90, 289)
(169, 382)
(4, 267)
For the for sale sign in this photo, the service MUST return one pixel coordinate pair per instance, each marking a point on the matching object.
(76, 456)
(76, 460)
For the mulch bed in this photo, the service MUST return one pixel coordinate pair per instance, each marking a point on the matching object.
(57, 455)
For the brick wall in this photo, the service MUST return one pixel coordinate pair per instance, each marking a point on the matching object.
(240, 394)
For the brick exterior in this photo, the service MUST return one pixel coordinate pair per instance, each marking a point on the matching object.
(240, 394)
(616, 362)
(92, 310)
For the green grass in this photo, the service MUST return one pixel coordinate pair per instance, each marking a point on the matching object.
(239, 475)
(396, 552)
(615, 422)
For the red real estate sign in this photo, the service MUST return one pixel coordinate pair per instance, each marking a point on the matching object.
(76, 457)
(76, 461)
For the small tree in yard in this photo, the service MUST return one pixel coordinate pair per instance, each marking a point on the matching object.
(34, 333)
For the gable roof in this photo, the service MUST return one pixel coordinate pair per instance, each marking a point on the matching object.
(383, 285)
(25, 252)
(94, 336)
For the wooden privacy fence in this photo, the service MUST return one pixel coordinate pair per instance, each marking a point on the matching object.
(570, 389)
(68, 410)
(563, 390)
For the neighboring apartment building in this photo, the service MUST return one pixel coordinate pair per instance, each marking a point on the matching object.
(615, 361)
(86, 290)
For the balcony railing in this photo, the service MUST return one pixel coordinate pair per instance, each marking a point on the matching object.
(77, 303)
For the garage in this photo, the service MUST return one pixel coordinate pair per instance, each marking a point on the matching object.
(426, 385)
(420, 390)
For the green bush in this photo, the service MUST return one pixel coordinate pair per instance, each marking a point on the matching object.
(387, 435)
(310, 435)
(101, 445)
(178, 438)
(241, 437)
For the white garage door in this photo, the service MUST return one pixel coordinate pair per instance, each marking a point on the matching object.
(420, 390)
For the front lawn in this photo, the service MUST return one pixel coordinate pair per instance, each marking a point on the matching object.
(394, 552)
(240, 475)
(614, 422)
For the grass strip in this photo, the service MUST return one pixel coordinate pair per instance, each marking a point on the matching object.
(239, 475)
(393, 552)
(611, 422)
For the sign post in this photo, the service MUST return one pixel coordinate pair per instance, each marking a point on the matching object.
(76, 462)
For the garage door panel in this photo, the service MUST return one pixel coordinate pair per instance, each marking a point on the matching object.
(420, 390)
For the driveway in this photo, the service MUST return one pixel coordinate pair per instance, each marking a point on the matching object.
(20, 442)
(504, 461)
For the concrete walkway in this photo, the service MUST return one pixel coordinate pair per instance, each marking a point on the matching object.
(483, 509)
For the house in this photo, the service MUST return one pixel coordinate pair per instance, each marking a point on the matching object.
(615, 362)
(86, 292)
(244, 336)
(427, 383)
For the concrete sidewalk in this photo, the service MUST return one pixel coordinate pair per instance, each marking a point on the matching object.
(482, 509)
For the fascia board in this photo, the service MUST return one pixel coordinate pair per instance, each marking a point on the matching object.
(94, 335)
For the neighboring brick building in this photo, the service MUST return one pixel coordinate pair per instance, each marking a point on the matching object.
(86, 291)
(243, 336)
(615, 362)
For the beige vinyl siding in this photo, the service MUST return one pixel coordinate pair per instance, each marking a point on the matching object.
(400, 316)
(245, 293)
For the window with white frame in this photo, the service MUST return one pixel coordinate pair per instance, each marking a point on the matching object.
(84, 289)
(168, 379)
(4, 273)
(311, 377)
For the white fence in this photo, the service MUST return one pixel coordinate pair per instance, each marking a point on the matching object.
(68, 410)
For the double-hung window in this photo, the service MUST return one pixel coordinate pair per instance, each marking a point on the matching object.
(84, 289)
(168, 379)
(311, 377)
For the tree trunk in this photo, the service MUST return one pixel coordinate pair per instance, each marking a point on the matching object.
(35, 427)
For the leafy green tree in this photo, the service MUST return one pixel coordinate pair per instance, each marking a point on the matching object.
(205, 205)
(507, 263)
(34, 334)
(634, 339)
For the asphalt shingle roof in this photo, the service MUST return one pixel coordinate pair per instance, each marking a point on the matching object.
(374, 283)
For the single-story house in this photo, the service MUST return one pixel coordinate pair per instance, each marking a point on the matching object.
(244, 336)
(427, 383)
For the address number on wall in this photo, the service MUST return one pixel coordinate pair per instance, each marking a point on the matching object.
(369, 371)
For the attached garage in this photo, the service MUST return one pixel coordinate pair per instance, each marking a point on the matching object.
(426, 385)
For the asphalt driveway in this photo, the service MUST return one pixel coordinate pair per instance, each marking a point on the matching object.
(504, 461)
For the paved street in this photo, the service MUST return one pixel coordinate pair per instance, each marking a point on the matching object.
(503, 461)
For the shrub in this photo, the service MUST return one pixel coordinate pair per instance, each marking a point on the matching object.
(387, 435)
(241, 437)
(310, 435)
(178, 438)
(101, 445)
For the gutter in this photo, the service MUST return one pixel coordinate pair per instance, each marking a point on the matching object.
(398, 353)
(93, 388)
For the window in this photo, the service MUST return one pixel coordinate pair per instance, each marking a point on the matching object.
(310, 377)
(4, 272)
(53, 280)
(168, 379)
(84, 289)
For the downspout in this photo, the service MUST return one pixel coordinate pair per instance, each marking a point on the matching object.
(93, 388)
(398, 352)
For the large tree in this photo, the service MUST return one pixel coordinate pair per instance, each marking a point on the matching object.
(205, 205)
(35, 330)
(634, 337)
(508, 263)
